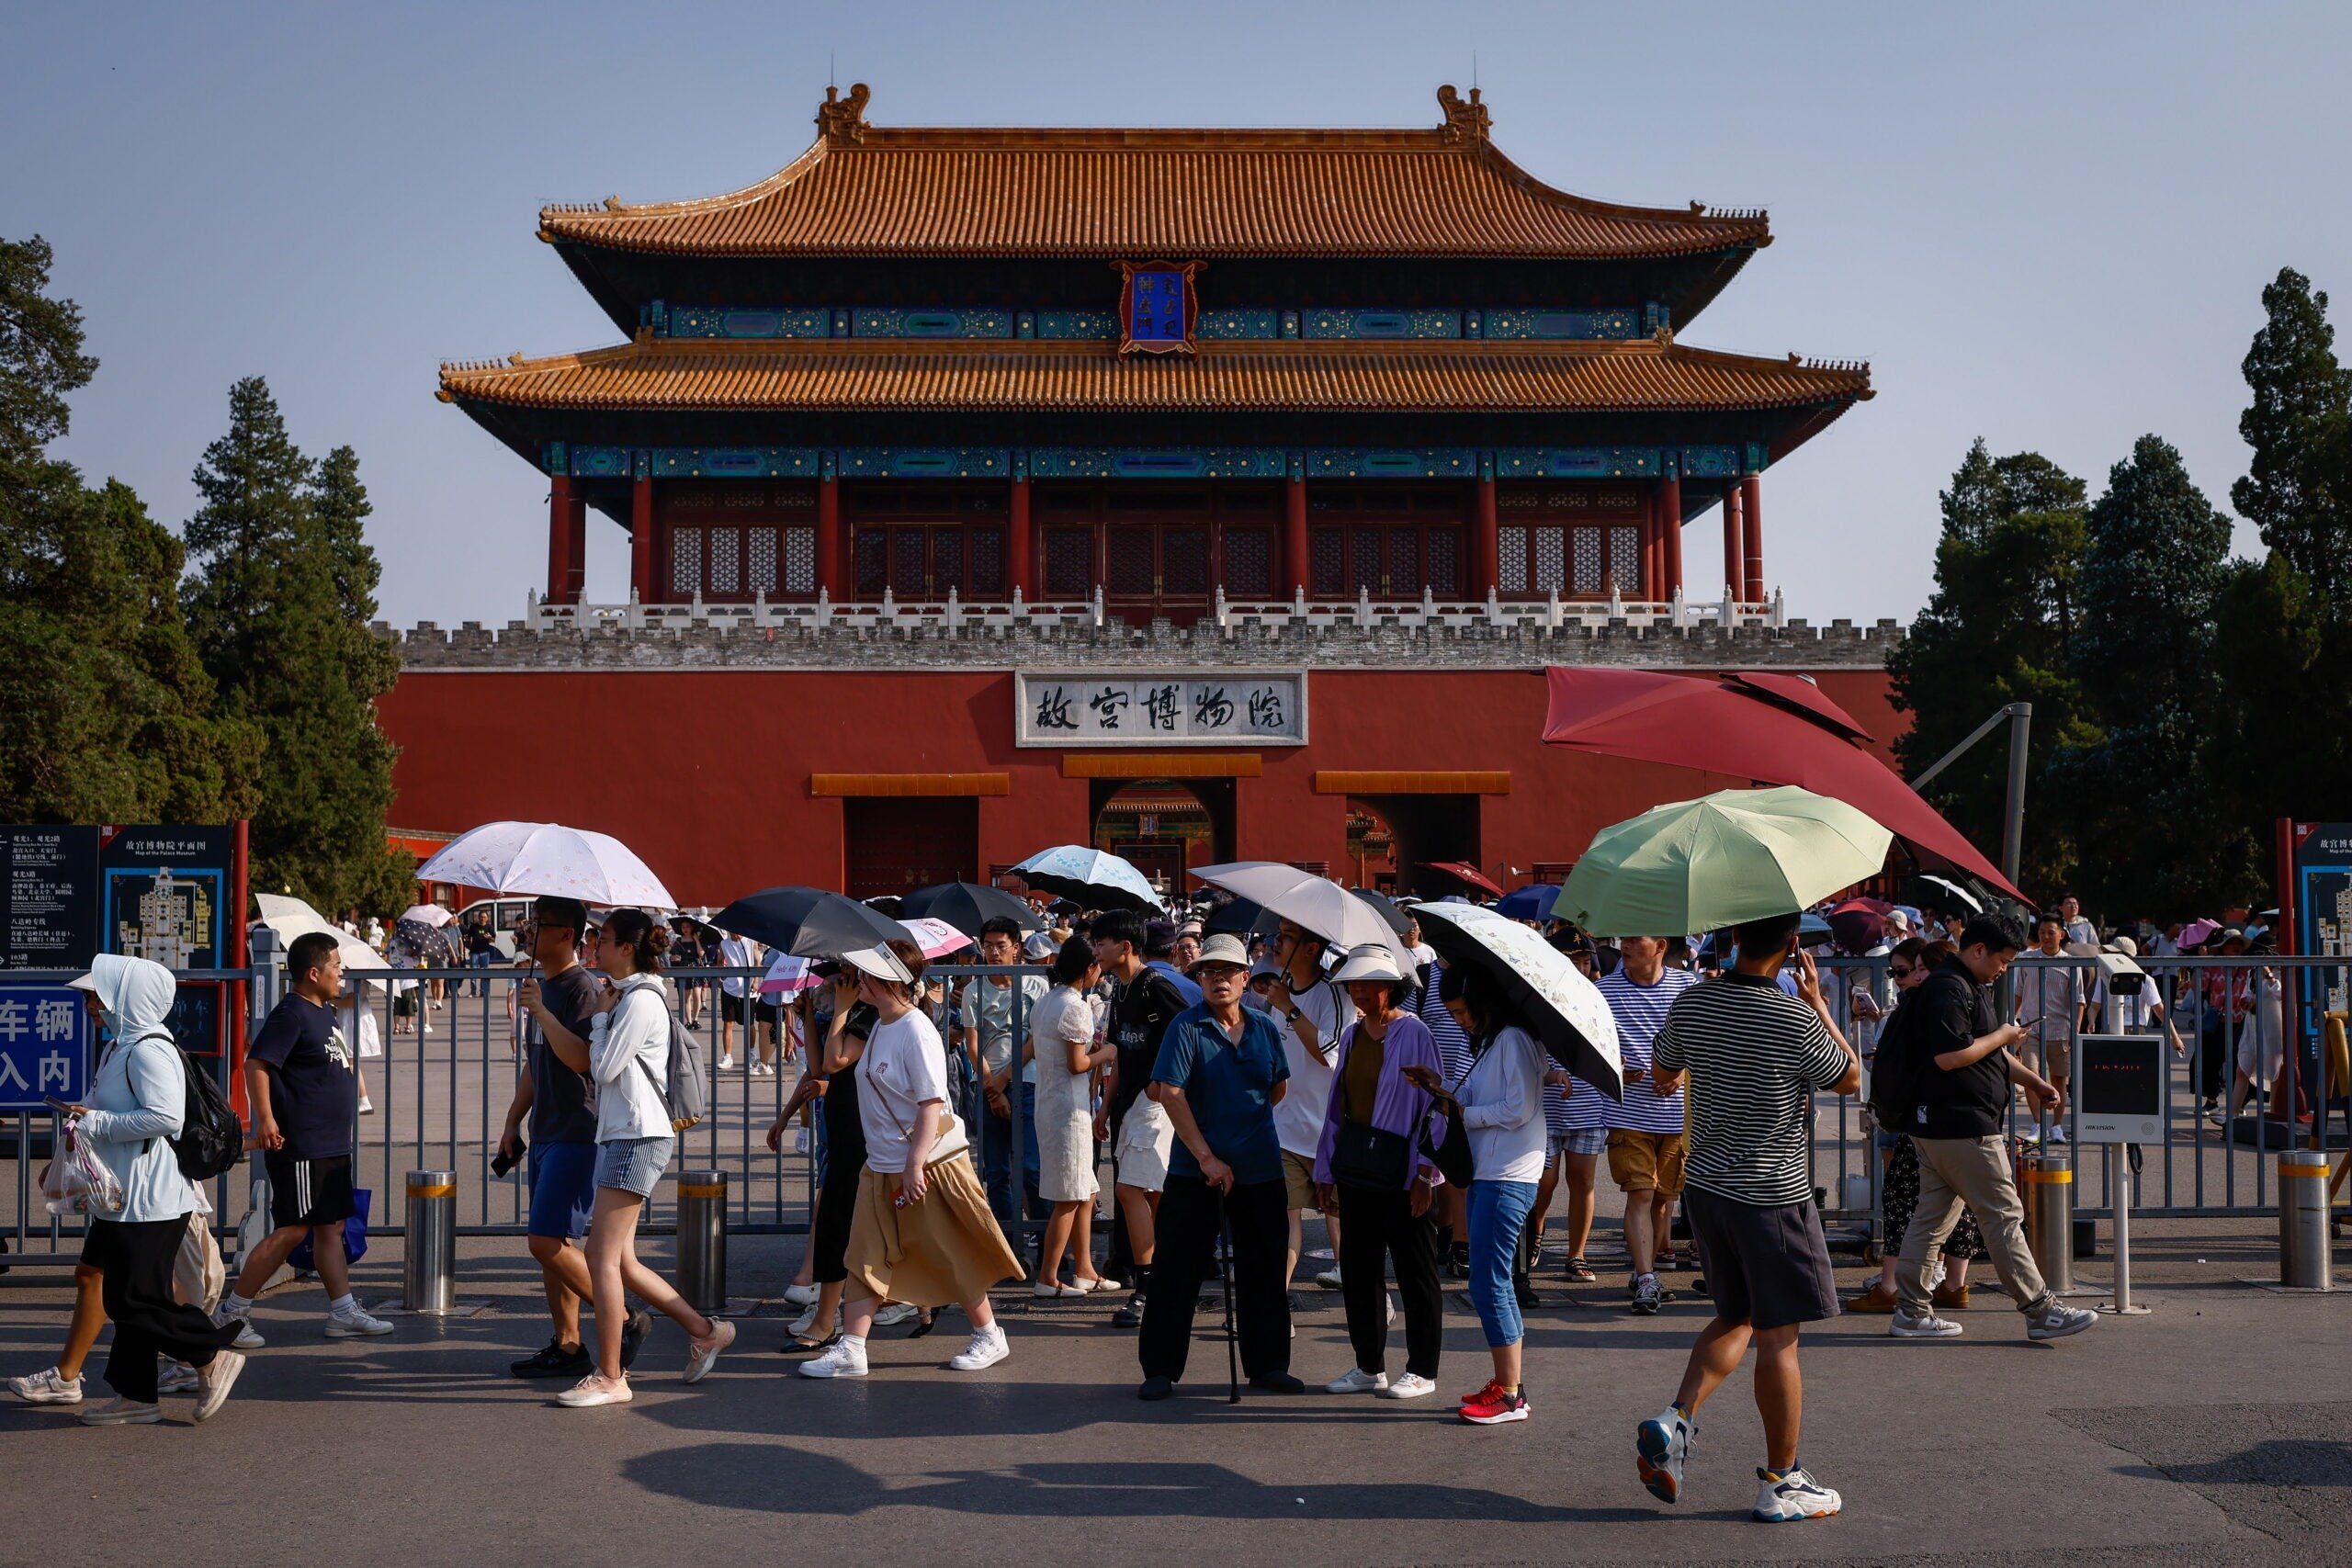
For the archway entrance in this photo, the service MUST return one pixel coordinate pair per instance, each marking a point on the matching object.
(1164, 825)
(1391, 837)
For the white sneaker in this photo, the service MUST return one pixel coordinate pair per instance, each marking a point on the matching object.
(596, 1388)
(45, 1387)
(703, 1354)
(176, 1376)
(801, 1295)
(214, 1382)
(987, 1347)
(122, 1412)
(1926, 1325)
(800, 1141)
(1661, 1448)
(355, 1324)
(1358, 1381)
(896, 1313)
(844, 1361)
(2057, 1320)
(246, 1338)
(1412, 1385)
(1329, 1278)
(2057, 1135)
(725, 1064)
(1780, 1499)
(367, 1106)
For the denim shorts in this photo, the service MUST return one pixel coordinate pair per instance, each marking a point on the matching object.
(634, 1165)
(563, 1189)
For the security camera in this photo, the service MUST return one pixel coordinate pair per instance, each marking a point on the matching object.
(2124, 976)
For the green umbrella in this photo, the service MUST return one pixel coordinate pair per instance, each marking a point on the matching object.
(1738, 855)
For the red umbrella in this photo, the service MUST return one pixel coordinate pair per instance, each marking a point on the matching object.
(1750, 726)
(1464, 872)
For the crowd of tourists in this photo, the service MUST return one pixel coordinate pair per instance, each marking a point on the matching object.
(1238, 1083)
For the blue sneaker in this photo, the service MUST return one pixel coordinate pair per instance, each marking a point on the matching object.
(1793, 1495)
(1662, 1445)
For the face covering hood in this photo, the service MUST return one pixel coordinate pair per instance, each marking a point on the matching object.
(137, 994)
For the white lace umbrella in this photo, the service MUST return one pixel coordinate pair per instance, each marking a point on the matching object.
(547, 860)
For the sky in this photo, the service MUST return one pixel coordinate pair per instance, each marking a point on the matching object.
(2048, 225)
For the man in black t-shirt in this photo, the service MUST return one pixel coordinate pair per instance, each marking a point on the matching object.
(553, 1092)
(1138, 1131)
(304, 1094)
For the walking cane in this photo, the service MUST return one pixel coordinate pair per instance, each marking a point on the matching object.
(1225, 1268)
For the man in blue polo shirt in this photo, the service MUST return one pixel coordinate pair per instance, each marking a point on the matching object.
(1220, 1074)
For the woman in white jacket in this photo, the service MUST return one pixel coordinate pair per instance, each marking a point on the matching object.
(1501, 1097)
(629, 1060)
(135, 1107)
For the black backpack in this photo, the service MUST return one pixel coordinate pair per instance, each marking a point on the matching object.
(1894, 1069)
(211, 1140)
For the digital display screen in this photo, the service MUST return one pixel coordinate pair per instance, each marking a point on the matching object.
(2119, 1076)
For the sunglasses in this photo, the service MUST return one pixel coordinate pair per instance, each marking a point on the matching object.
(1900, 971)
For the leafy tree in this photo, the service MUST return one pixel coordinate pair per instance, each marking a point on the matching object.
(280, 606)
(2298, 489)
(107, 709)
(2157, 836)
(2284, 737)
(2000, 628)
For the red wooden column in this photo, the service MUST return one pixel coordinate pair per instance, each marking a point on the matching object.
(578, 550)
(640, 538)
(829, 536)
(1751, 516)
(1295, 536)
(1486, 548)
(1735, 549)
(1653, 553)
(1670, 516)
(558, 538)
(1021, 547)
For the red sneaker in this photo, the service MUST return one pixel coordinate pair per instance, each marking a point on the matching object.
(1492, 1406)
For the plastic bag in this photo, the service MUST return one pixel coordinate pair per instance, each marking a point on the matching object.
(355, 1236)
(76, 1181)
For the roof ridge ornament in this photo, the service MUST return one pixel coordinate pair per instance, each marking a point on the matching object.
(841, 119)
(1465, 121)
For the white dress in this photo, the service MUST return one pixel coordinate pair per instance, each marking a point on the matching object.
(1065, 1110)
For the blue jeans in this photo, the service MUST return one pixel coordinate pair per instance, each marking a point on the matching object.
(1499, 1212)
(996, 1166)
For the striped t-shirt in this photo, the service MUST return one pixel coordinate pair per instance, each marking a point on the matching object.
(1751, 1052)
(1452, 1045)
(1641, 1012)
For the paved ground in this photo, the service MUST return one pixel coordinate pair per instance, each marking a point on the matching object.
(2212, 1431)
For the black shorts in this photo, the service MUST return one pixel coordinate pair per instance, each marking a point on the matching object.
(309, 1191)
(1766, 1267)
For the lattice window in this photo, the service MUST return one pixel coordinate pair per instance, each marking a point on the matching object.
(1625, 560)
(1070, 562)
(1184, 562)
(1551, 561)
(1404, 562)
(1446, 566)
(1510, 561)
(988, 563)
(726, 561)
(906, 564)
(872, 562)
(1586, 545)
(686, 563)
(800, 560)
(947, 562)
(1363, 559)
(1250, 562)
(1130, 566)
(1329, 578)
(761, 564)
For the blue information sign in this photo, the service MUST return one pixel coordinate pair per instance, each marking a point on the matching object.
(44, 1046)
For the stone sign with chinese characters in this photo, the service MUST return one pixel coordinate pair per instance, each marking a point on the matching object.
(1122, 708)
(44, 1046)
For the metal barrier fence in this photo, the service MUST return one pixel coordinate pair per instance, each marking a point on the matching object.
(440, 1080)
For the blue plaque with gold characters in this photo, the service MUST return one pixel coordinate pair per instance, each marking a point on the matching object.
(1156, 307)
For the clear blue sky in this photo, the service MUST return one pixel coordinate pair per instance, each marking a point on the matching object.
(2045, 224)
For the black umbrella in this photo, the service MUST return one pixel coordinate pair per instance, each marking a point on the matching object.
(1241, 918)
(1543, 990)
(1399, 920)
(808, 922)
(968, 906)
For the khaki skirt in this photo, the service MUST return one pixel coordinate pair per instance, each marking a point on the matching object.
(945, 1249)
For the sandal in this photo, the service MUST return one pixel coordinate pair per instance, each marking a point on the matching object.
(923, 1324)
(1579, 1270)
(801, 1345)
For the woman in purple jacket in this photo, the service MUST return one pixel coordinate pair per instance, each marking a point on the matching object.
(1370, 1170)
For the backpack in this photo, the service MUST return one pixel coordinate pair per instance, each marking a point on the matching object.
(211, 1140)
(685, 1095)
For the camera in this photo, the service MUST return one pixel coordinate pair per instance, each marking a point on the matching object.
(2124, 976)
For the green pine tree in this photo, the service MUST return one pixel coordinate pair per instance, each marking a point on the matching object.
(2000, 628)
(2298, 489)
(280, 606)
(107, 710)
(2157, 836)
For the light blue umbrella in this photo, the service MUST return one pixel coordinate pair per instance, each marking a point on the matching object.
(1089, 876)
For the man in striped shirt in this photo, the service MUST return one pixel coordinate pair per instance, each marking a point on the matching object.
(1753, 1052)
(1647, 1146)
